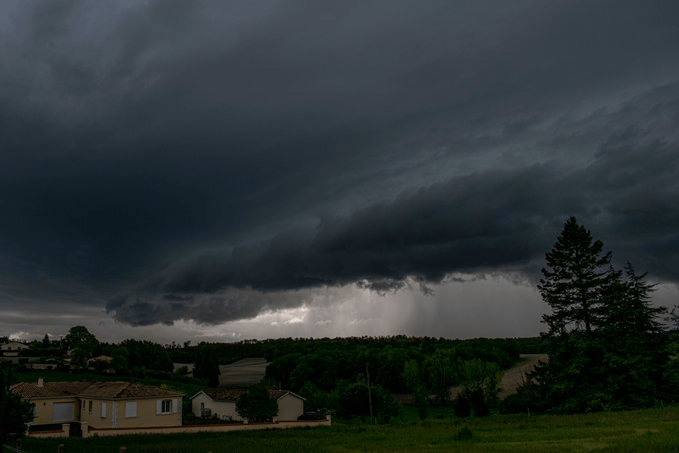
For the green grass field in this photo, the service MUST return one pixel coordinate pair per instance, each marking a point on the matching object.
(652, 430)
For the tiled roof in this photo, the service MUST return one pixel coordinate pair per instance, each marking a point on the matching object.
(117, 389)
(49, 389)
(232, 394)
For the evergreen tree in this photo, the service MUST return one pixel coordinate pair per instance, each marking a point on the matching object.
(605, 351)
(635, 352)
(572, 285)
(46, 342)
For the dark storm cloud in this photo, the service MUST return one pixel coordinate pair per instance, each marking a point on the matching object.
(217, 157)
(477, 224)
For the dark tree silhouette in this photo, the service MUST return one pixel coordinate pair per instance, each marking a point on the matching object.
(574, 281)
(207, 365)
(14, 413)
(605, 350)
(257, 405)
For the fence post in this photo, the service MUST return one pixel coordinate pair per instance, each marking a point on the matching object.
(60, 448)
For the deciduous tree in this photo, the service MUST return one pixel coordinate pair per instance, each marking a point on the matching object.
(14, 413)
(207, 365)
(257, 405)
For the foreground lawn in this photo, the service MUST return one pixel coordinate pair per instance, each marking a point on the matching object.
(634, 431)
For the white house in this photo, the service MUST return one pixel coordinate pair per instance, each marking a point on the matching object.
(221, 403)
(12, 348)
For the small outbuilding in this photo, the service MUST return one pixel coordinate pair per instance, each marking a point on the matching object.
(221, 404)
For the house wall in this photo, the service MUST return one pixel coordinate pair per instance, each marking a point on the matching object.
(95, 418)
(147, 414)
(44, 410)
(289, 407)
(220, 409)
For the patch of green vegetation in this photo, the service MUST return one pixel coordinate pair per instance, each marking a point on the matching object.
(649, 430)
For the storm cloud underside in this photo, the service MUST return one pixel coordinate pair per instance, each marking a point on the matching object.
(213, 161)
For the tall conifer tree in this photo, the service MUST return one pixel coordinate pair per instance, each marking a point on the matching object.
(572, 284)
(604, 347)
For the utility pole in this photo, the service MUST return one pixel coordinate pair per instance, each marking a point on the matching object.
(370, 398)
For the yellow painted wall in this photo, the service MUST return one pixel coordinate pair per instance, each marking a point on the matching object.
(115, 413)
(44, 409)
(94, 418)
(146, 414)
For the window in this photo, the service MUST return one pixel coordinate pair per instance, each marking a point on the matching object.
(103, 409)
(89, 407)
(131, 409)
(165, 406)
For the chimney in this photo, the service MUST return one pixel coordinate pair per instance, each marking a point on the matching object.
(40, 382)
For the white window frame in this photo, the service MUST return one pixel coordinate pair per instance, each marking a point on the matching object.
(166, 406)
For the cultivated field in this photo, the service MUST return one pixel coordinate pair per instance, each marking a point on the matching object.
(243, 373)
(653, 430)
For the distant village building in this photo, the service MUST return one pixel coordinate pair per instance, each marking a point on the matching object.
(12, 348)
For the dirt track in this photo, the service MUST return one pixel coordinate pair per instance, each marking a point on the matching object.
(514, 377)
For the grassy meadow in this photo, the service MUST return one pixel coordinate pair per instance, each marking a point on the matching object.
(650, 430)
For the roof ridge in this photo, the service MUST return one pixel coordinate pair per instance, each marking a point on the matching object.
(125, 387)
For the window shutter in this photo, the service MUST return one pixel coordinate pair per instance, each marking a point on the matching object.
(131, 409)
(159, 406)
(174, 406)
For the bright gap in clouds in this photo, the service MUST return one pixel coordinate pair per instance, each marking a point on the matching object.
(490, 307)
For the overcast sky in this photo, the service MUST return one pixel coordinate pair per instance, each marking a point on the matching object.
(222, 170)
